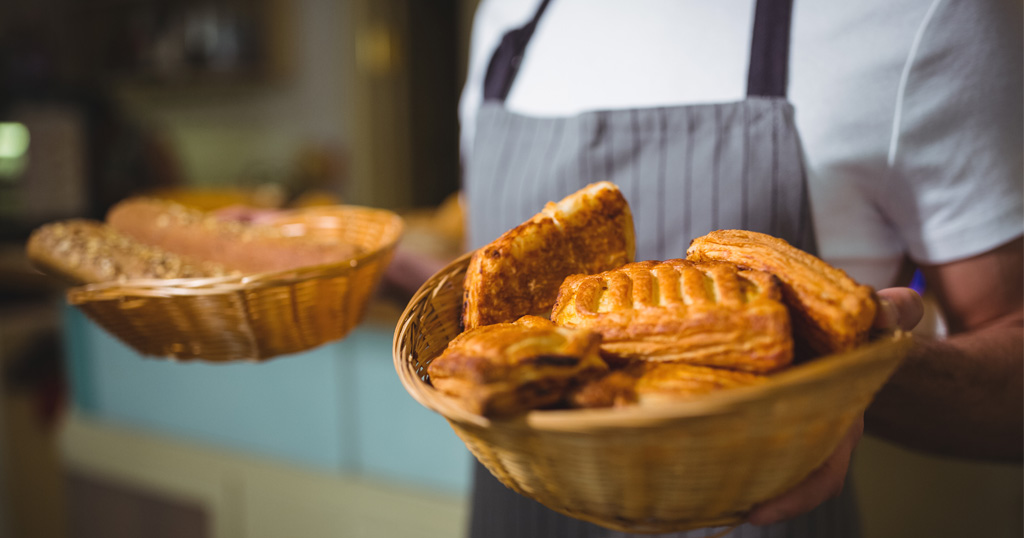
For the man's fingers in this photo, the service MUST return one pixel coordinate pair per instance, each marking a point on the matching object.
(898, 308)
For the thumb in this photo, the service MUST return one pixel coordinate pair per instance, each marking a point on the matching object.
(898, 308)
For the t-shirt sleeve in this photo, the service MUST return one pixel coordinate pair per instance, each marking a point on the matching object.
(956, 150)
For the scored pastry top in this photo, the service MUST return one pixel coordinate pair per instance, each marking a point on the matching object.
(671, 283)
(677, 310)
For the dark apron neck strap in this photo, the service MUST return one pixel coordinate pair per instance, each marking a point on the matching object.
(769, 52)
(769, 49)
(504, 66)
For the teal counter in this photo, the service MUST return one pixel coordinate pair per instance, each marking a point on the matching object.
(339, 407)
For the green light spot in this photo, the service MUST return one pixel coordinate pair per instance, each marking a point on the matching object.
(14, 140)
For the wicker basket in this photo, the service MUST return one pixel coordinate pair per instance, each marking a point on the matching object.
(254, 317)
(689, 465)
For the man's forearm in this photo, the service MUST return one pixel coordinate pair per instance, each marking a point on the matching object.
(963, 396)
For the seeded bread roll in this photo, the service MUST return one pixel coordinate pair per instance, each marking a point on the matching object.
(247, 248)
(82, 251)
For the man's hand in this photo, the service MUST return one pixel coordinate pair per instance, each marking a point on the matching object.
(898, 308)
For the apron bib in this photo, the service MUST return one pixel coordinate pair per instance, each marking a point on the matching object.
(685, 170)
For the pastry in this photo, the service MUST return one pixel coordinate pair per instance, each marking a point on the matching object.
(710, 314)
(831, 312)
(83, 251)
(506, 369)
(519, 273)
(650, 382)
(243, 247)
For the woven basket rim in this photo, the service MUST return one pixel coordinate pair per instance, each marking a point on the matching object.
(718, 403)
(890, 347)
(154, 287)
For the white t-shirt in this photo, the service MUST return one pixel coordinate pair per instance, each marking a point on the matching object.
(909, 111)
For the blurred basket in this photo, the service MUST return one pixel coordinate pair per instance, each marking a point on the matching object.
(253, 317)
(687, 465)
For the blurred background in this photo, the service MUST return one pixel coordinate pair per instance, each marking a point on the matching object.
(273, 103)
(270, 103)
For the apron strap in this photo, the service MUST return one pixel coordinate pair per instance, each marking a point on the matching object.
(504, 66)
(769, 52)
(769, 49)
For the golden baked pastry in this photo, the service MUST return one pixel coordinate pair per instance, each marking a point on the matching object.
(649, 382)
(700, 313)
(519, 273)
(509, 368)
(243, 247)
(831, 312)
(83, 251)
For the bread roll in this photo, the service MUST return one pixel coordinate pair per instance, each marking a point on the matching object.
(708, 314)
(519, 273)
(82, 251)
(247, 248)
(831, 311)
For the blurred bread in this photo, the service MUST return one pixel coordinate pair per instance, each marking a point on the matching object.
(710, 314)
(831, 312)
(82, 251)
(505, 369)
(519, 273)
(247, 248)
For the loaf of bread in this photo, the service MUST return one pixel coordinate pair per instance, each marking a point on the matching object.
(831, 312)
(708, 314)
(82, 251)
(519, 273)
(243, 247)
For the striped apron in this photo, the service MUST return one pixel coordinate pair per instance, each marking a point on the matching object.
(685, 170)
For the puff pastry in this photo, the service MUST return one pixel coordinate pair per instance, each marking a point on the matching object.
(710, 314)
(646, 382)
(509, 368)
(831, 312)
(519, 273)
